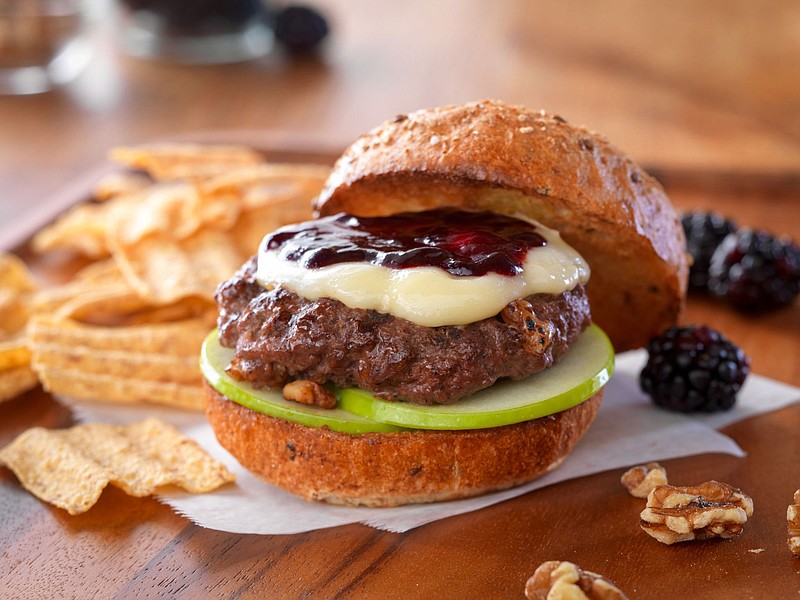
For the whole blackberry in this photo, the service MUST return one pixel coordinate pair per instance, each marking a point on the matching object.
(300, 28)
(704, 232)
(755, 271)
(693, 368)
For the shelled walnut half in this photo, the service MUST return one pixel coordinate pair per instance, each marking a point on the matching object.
(642, 479)
(793, 519)
(679, 514)
(561, 580)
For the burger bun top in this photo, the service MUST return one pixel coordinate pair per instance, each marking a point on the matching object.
(493, 156)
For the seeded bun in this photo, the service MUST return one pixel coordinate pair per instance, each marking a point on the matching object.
(389, 469)
(507, 159)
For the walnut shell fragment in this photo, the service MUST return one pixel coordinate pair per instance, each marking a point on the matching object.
(793, 520)
(562, 580)
(642, 479)
(679, 514)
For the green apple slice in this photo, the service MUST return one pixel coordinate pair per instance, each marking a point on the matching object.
(580, 374)
(214, 359)
(585, 369)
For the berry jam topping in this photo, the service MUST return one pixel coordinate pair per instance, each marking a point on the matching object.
(462, 243)
(693, 369)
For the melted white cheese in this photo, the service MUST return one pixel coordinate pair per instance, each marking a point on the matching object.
(430, 296)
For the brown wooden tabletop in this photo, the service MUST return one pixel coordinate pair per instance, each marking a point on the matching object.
(703, 94)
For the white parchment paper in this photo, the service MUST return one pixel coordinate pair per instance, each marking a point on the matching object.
(628, 430)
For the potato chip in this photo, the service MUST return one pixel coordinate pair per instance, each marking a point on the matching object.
(119, 305)
(16, 289)
(122, 364)
(97, 272)
(14, 352)
(186, 310)
(94, 303)
(269, 184)
(96, 387)
(14, 313)
(105, 305)
(182, 338)
(185, 161)
(144, 363)
(98, 289)
(118, 184)
(14, 274)
(176, 211)
(70, 467)
(83, 228)
(257, 222)
(173, 209)
(15, 380)
(165, 270)
(128, 327)
(167, 209)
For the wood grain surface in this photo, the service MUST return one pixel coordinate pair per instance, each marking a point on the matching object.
(704, 94)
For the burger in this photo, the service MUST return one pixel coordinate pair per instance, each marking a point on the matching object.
(445, 324)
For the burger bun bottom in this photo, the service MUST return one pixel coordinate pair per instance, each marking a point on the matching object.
(391, 469)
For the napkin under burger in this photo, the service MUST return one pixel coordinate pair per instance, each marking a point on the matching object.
(488, 393)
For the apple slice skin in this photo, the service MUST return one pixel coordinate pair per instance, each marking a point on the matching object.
(590, 362)
(214, 359)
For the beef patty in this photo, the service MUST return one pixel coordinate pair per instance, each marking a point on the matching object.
(279, 336)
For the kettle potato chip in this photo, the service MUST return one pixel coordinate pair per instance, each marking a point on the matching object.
(185, 161)
(15, 381)
(69, 468)
(16, 293)
(165, 270)
(14, 353)
(157, 241)
(144, 363)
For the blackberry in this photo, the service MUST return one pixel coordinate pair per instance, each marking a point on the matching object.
(755, 271)
(200, 17)
(693, 368)
(300, 29)
(704, 231)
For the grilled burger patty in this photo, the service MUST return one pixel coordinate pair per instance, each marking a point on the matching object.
(279, 336)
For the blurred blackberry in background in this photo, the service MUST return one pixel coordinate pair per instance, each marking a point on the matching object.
(704, 231)
(199, 17)
(301, 29)
(693, 368)
(755, 271)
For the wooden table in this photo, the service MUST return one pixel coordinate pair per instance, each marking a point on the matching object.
(704, 94)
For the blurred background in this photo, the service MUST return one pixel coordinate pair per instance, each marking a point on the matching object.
(689, 89)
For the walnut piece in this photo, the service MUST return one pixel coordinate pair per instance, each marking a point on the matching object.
(561, 580)
(641, 480)
(679, 514)
(793, 519)
(309, 392)
(537, 333)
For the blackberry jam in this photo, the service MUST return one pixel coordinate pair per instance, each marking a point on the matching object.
(462, 243)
